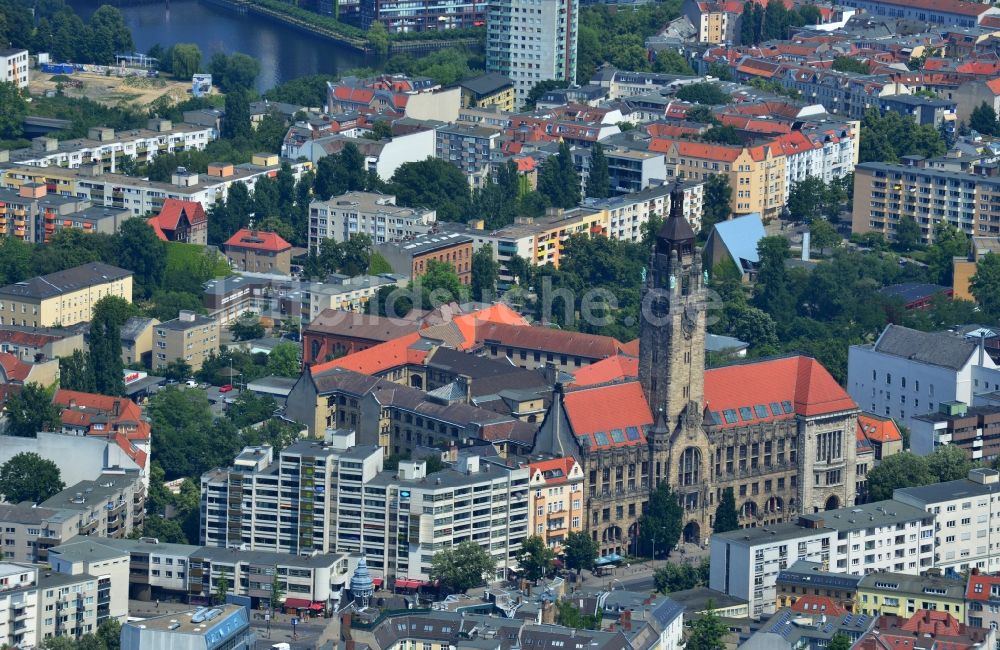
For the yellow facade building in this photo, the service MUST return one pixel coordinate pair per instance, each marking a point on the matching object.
(64, 298)
(488, 90)
(556, 506)
(756, 174)
(902, 594)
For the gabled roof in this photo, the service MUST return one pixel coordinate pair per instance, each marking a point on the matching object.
(810, 604)
(260, 240)
(980, 586)
(591, 346)
(878, 429)
(771, 390)
(378, 358)
(612, 369)
(172, 211)
(60, 282)
(14, 370)
(552, 471)
(740, 237)
(597, 426)
(933, 348)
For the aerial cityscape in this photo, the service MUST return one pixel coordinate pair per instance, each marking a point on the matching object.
(499, 325)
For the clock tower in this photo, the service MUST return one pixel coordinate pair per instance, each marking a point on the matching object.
(672, 334)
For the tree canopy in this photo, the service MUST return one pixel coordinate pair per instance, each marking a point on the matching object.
(29, 477)
(31, 410)
(463, 566)
(726, 516)
(580, 551)
(660, 526)
(906, 469)
(432, 183)
(535, 558)
(890, 136)
(704, 92)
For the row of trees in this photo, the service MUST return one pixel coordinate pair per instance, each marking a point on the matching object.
(55, 28)
(890, 136)
(773, 22)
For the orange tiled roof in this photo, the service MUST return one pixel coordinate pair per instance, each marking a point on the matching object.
(795, 385)
(122, 415)
(612, 369)
(598, 426)
(554, 465)
(170, 214)
(378, 358)
(994, 85)
(878, 429)
(15, 369)
(980, 586)
(258, 240)
(810, 604)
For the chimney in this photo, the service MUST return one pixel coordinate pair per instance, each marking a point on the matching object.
(116, 408)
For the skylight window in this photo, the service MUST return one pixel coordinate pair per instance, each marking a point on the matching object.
(760, 410)
(632, 433)
(746, 413)
(786, 406)
(730, 416)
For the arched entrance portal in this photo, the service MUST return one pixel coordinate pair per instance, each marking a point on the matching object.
(692, 533)
(832, 503)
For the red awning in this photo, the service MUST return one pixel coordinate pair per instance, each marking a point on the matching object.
(402, 583)
(316, 607)
(298, 603)
(377, 582)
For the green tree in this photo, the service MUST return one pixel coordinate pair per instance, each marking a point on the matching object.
(189, 440)
(805, 199)
(141, 251)
(250, 408)
(949, 243)
(771, 292)
(890, 136)
(849, 64)
(463, 566)
(726, 517)
(13, 110)
(948, 463)
(76, 373)
(439, 285)
(540, 88)
(824, 235)
(676, 577)
(31, 410)
(704, 92)
(283, 361)
(660, 526)
(109, 632)
(29, 477)
(167, 531)
(432, 183)
(985, 284)
(221, 586)
(897, 471)
(707, 632)
(569, 615)
(984, 120)
(722, 135)
(277, 593)
(185, 60)
(236, 123)
(580, 551)
(599, 181)
(236, 72)
(167, 305)
(378, 39)
(670, 62)
(246, 327)
(718, 202)
(908, 234)
(535, 558)
(307, 91)
(177, 370)
(110, 313)
(558, 180)
(840, 641)
(484, 274)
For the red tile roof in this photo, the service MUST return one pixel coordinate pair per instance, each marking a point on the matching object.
(29, 339)
(378, 358)
(172, 210)
(97, 413)
(799, 382)
(878, 429)
(810, 604)
(598, 426)
(258, 240)
(15, 370)
(958, 7)
(980, 586)
(558, 468)
(994, 85)
(616, 368)
(590, 346)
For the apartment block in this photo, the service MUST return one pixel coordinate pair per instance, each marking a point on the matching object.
(342, 293)
(628, 213)
(470, 148)
(532, 40)
(375, 215)
(412, 257)
(884, 194)
(907, 373)
(982, 598)
(51, 343)
(556, 502)
(18, 605)
(226, 626)
(745, 563)
(63, 298)
(965, 519)
(14, 66)
(976, 430)
(190, 337)
(108, 566)
(28, 532)
(756, 174)
(258, 251)
(141, 197)
(105, 149)
(113, 505)
(34, 214)
(488, 90)
(899, 594)
(809, 580)
(332, 495)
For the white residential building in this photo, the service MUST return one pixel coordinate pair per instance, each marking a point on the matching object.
(375, 215)
(18, 605)
(344, 293)
(965, 515)
(628, 213)
(745, 563)
(882, 536)
(105, 147)
(907, 373)
(14, 66)
(532, 40)
(383, 157)
(827, 152)
(398, 519)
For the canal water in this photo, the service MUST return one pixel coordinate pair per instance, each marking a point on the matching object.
(284, 53)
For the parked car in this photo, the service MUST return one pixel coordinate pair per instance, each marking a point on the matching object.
(225, 388)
